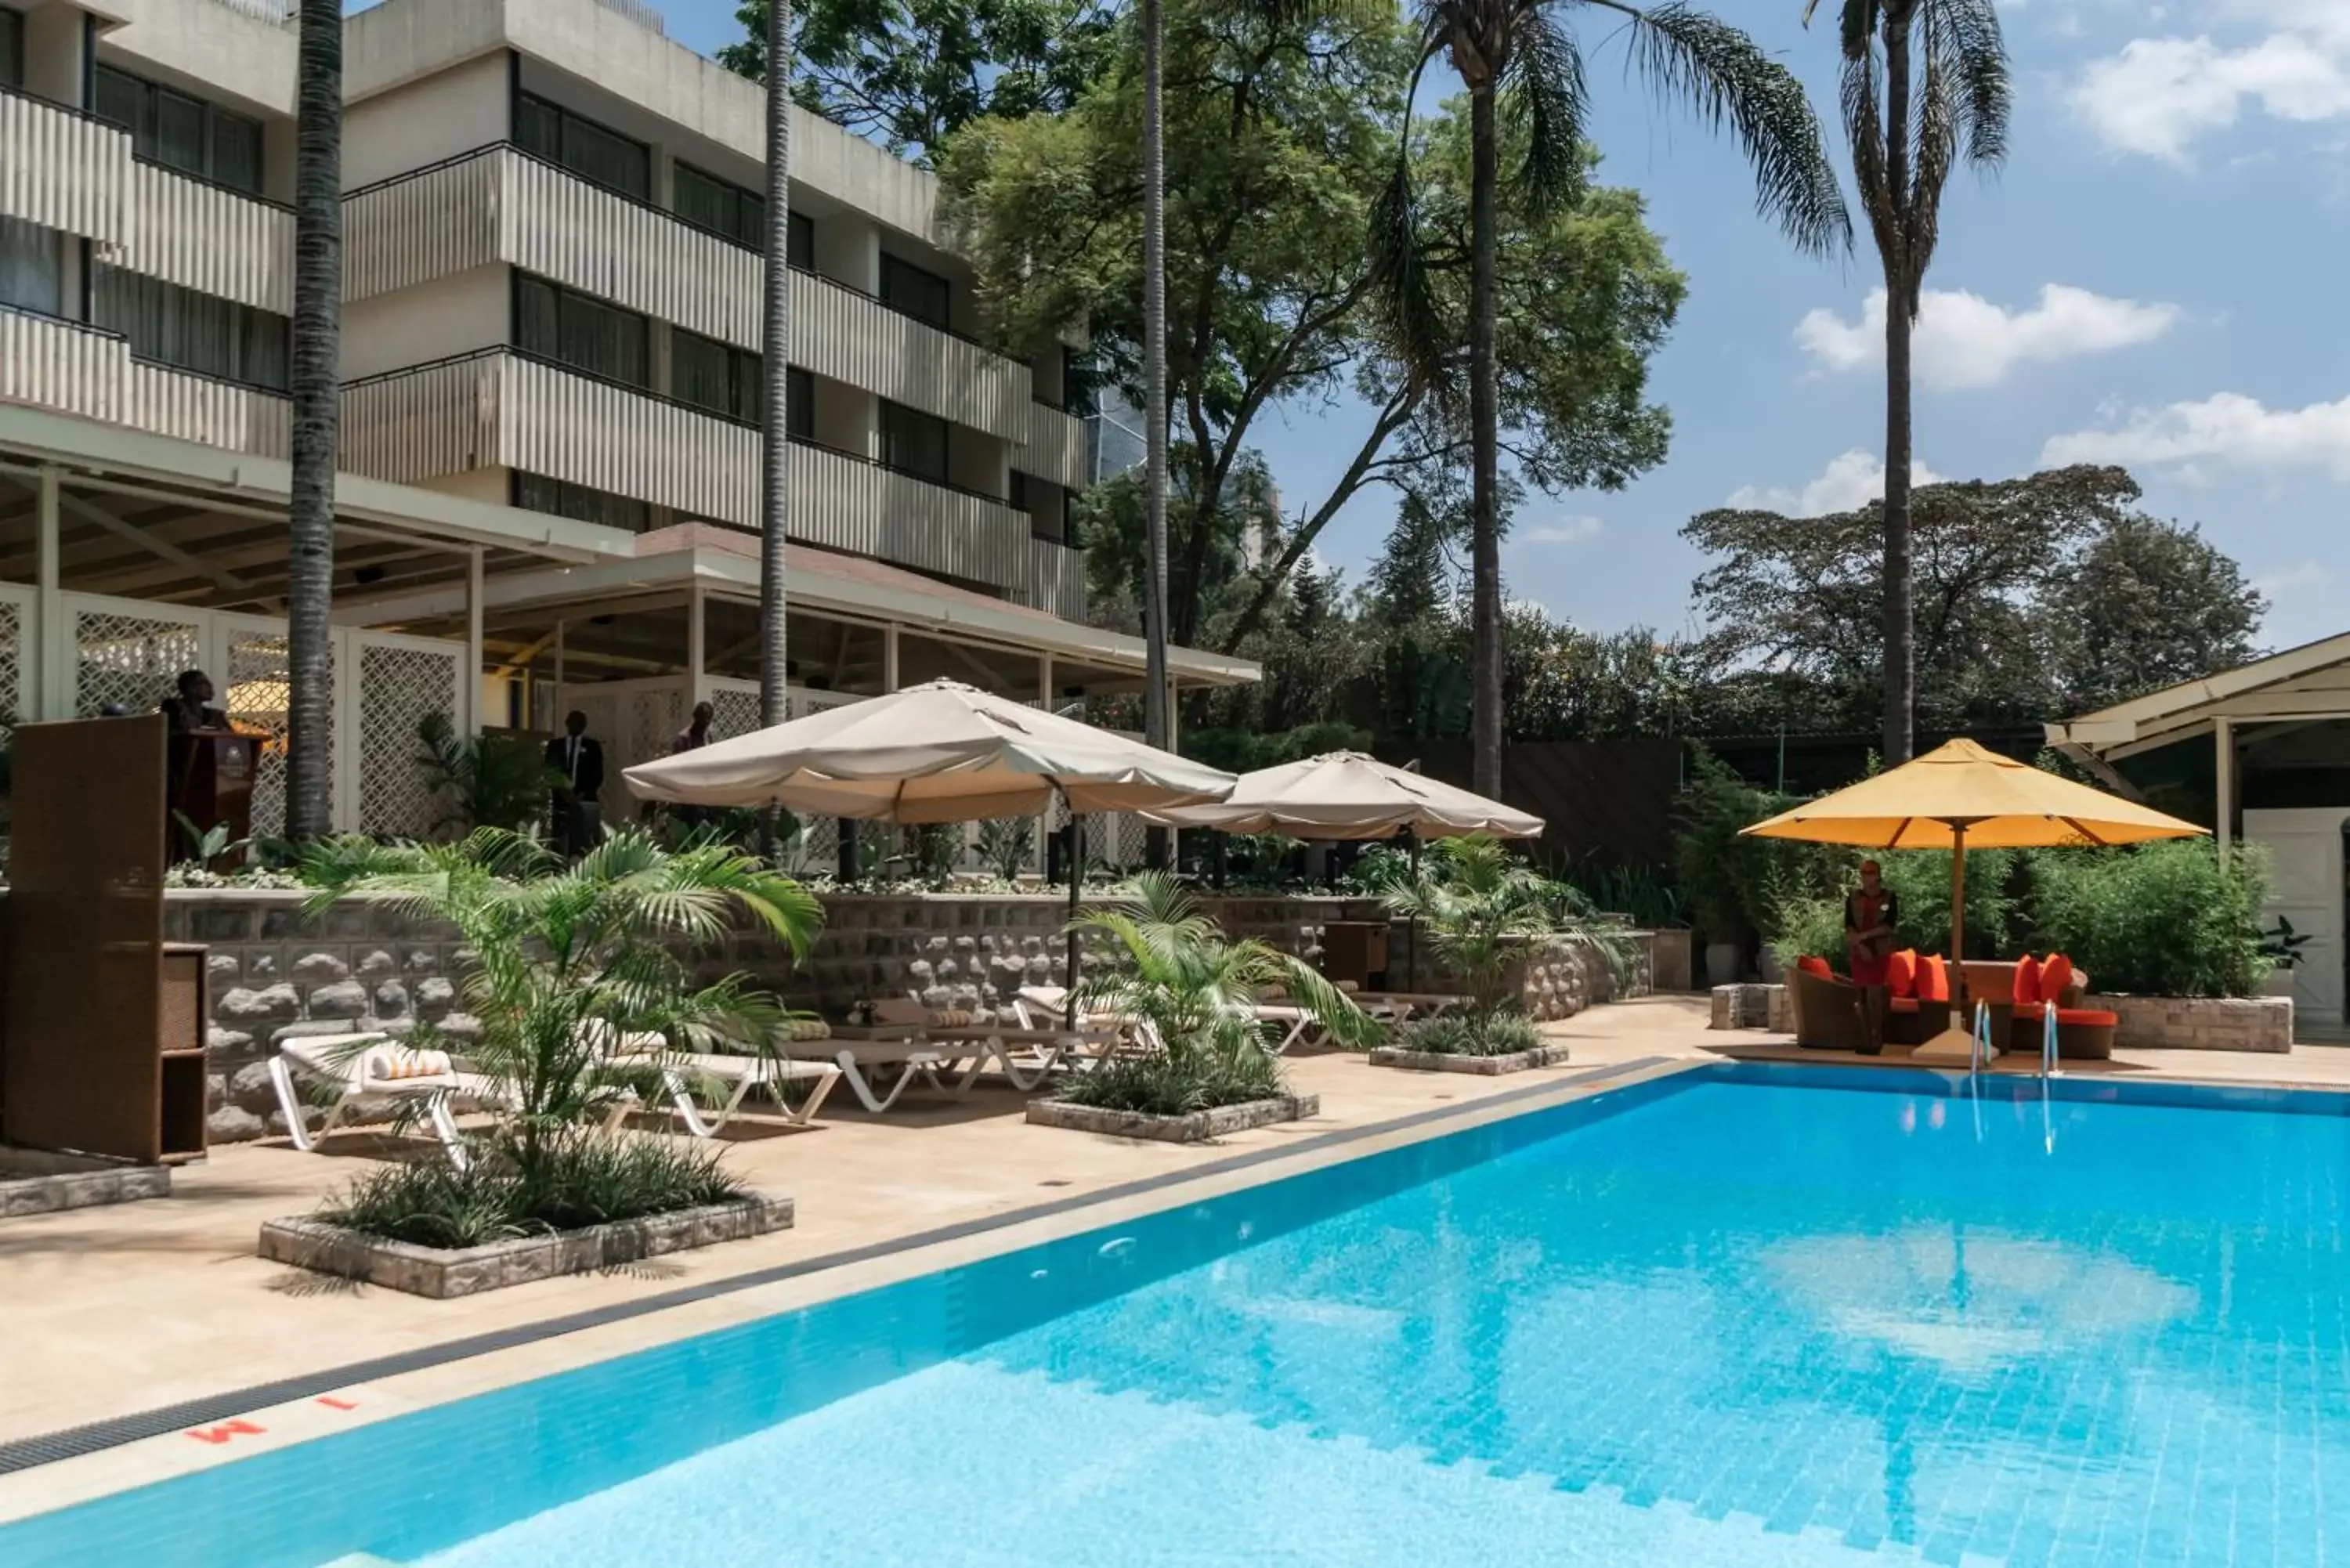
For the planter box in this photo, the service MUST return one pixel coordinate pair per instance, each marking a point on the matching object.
(34, 1182)
(2261, 1023)
(1483, 1066)
(442, 1273)
(1197, 1128)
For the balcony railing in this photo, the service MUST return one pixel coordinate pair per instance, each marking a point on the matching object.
(1054, 446)
(208, 237)
(499, 203)
(197, 407)
(62, 167)
(500, 408)
(64, 365)
(1057, 578)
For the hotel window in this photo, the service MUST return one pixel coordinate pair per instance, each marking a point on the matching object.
(31, 268)
(12, 48)
(1019, 499)
(561, 498)
(913, 440)
(181, 133)
(919, 294)
(719, 205)
(593, 151)
(714, 375)
(584, 334)
(190, 331)
(799, 405)
(799, 241)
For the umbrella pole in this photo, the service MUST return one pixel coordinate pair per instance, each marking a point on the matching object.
(1076, 882)
(1959, 917)
(1411, 928)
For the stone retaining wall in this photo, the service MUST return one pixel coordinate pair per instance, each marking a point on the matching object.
(361, 966)
(2201, 1022)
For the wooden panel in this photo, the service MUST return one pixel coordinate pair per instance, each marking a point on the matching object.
(1606, 801)
(82, 1070)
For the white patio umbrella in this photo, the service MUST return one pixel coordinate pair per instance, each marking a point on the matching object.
(1349, 795)
(943, 751)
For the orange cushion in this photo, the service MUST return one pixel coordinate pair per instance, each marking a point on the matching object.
(2054, 976)
(1902, 972)
(1813, 964)
(2089, 1017)
(2027, 979)
(1934, 979)
(1904, 1004)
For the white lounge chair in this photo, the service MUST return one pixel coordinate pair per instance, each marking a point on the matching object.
(366, 1063)
(682, 1073)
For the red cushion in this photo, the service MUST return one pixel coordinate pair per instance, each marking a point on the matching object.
(1902, 972)
(2089, 1017)
(2054, 976)
(1904, 1004)
(1934, 979)
(2027, 979)
(1813, 964)
(2030, 1012)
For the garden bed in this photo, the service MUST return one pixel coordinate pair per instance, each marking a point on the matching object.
(33, 1181)
(1464, 1062)
(1197, 1126)
(2262, 1024)
(443, 1273)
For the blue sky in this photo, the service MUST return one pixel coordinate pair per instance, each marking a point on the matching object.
(2152, 280)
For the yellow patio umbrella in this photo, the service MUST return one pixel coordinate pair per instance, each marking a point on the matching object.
(1960, 797)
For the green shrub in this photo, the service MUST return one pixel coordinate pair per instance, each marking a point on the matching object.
(1920, 879)
(582, 1178)
(1731, 882)
(1223, 1064)
(1470, 1034)
(2161, 920)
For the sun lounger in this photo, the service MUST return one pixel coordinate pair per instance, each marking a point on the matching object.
(682, 1072)
(880, 1062)
(1402, 1006)
(351, 1066)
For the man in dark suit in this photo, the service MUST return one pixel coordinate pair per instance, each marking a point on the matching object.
(578, 761)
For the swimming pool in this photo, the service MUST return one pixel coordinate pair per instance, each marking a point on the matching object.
(1743, 1316)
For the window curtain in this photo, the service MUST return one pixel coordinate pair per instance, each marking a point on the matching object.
(31, 268)
(583, 333)
(201, 332)
(913, 440)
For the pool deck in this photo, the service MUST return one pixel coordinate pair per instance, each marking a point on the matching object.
(112, 1312)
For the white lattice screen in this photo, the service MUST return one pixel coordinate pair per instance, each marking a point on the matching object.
(131, 657)
(402, 681)
(13, 664)
(258, 693)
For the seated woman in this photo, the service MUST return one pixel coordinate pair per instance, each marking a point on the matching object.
(1870, 914)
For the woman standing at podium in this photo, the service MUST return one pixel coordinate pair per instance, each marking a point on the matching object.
(189, 707)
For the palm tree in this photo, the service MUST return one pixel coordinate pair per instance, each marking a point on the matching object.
(1904, 135)
(317, 419)
(1155, 714)
(569, 960)
(1519, 54)
(775, 349)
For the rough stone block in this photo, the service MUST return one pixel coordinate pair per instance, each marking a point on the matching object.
(320, 969)
(344, 999)
(376, 964)
(273, 1004)
(234, 1124)
(391, 999)
(221, 969)
(211, 922)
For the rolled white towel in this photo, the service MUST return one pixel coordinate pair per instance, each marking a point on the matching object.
(389, 1064)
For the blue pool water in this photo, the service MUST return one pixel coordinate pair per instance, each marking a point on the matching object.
(1738, 1318)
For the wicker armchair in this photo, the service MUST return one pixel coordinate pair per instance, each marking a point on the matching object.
(1828, 1015)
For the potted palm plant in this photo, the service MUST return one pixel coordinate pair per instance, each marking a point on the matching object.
(581, 989)
(1189, 996)
(1483, 910)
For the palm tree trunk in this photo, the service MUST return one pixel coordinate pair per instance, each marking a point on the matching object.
(1485, 440)
(1900, 301)
(1154, 402)
(775, 363)
(316, 413)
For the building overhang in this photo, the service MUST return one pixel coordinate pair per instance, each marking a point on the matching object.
(2299, 685)
(818, 584)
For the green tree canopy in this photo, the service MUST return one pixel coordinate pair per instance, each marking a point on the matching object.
(910, 73)
(2034, 595)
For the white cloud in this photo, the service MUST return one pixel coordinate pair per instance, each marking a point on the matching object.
(2227, 427)
(1965, 340)
(2301, 579)
(2158, 94)
(1848, 482)
(1578, 529)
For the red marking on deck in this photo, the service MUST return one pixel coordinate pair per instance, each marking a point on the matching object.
(222, 1433)
(333, 1404)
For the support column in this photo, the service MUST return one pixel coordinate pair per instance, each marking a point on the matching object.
(2223, 740)
(889, 659)
(472, 715)
(694, 629)
(1044, 820)
(53, 655)
(558, 674)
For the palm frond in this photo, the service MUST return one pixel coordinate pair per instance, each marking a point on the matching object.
(1720, 72)
(1402, 294)
(1543, 92)
(1968, 53)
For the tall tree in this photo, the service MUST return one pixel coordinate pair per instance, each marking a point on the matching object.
(1523, 50)
(2147, 604)
(910, 73)
(1925, 83)
(774, 362)
(1155, 696)
(316, 415)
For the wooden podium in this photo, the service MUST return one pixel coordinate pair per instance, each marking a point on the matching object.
(209, 781)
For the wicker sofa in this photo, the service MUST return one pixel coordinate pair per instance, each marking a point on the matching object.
(2082, 1034)
(1827, 1012)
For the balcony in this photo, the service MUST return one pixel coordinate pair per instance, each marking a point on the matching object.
(501, 204)
(496, 409)
(1054, 446)
(200, 409)
(208, 237)
(64, 365)
(1056, 579)
(61, 168)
